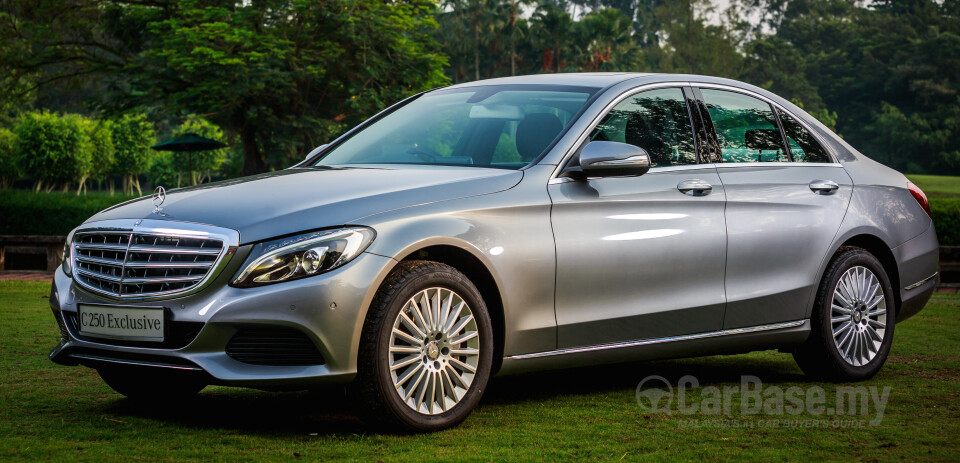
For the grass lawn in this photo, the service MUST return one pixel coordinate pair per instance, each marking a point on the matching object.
(937, 186)
(67, 413)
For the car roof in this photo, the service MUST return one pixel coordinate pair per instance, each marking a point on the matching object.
(584, 79)
(604, 79)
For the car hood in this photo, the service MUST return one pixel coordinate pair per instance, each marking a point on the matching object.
(299, 199)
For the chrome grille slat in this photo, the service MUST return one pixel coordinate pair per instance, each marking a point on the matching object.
(146, 264)
(101, 261)
(134, 281)
(174, 250)
(103, 246)
(100, 275)
(125, 264)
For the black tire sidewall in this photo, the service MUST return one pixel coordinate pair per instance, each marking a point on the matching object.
(448, 278)
(842, 369)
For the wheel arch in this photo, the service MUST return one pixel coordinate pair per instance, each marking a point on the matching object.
(481, 276)
(875, 245)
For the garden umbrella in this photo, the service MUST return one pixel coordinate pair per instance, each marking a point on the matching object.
(189, 142)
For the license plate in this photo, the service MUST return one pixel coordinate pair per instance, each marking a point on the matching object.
(133, 323)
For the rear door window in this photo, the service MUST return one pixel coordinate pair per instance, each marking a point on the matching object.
(803, 146)
(746, 127)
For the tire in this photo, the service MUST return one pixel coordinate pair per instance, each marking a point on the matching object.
(400, 400)
(152, 385)
(855, 354)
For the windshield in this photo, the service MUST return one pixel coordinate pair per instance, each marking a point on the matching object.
(504, 126)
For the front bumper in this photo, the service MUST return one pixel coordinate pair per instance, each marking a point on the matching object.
(328, 308)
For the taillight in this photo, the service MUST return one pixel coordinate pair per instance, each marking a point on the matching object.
(920, 197)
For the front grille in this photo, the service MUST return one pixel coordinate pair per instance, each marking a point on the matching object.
(177, 335)
(125, 264)
(278, 346)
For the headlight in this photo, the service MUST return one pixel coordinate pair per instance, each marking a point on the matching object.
(302, 256)
(67, 254)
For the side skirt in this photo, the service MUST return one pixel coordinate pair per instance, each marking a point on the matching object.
(732, 341)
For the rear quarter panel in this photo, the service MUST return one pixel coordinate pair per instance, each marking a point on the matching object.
(882, 206)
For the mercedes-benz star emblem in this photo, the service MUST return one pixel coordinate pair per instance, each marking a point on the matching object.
(158, 197)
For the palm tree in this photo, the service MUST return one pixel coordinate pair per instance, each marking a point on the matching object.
(551, 27)
(605, 42)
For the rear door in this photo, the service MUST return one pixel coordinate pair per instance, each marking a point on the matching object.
(641, 257)
(786, 198)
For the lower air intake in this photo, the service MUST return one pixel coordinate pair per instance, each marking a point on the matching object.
(278, 346)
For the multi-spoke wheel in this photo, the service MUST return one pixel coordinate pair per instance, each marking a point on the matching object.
(859, 316)
(853, 319)
(434, 350)
(426, 354)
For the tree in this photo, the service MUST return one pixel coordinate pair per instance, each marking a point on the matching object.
(9, 163)
(479, 15)
(132, 137)
(198, 164)
(552, 28)
(283, 75)
(887, 75)
(692, 45)
(53, 149)
(605, 43)
(102, 152)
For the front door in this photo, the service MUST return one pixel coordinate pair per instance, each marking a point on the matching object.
(641, 257)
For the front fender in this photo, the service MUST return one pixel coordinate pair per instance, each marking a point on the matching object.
(509, 232)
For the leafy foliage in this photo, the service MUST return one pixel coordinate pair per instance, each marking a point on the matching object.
(946, 217)
(50, 213)
(277, 72)
(52, 148)
(9, 163)
(890, 72)
(283, 76)
(132, 137)
(101, 149)
(174, 168)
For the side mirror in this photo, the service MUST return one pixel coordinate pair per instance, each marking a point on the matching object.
(315, 151)
(610, 159)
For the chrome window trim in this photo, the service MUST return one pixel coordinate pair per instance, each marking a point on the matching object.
(734, 165)
(555, 175)
(645, 342)
(653, 170)
(758, 96)
(229, 237)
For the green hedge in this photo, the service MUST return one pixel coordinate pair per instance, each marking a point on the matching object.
(28, 213)
(946, 217)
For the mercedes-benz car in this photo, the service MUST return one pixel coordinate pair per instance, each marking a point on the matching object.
(504, 226)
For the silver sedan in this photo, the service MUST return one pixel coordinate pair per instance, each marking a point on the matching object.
(504, 226)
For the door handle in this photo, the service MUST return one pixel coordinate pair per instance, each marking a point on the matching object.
(695, 187)
(824, 187)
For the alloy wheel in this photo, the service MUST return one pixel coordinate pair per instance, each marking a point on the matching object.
(858, 316)
(434, 351)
